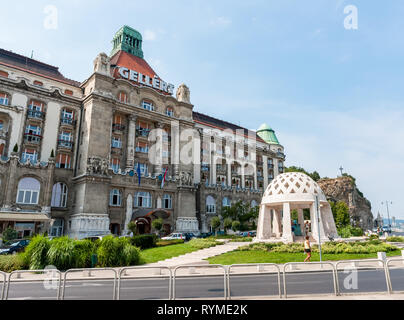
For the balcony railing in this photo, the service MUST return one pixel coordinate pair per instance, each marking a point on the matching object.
(281, 155)
(67, 121)
(32, 138)
(65, 144)
(142, 132)
(35, 114)
(270, 166)
(142, 150)
(118, 127)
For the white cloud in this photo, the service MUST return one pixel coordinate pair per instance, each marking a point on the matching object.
(221, 21)
(149, 35)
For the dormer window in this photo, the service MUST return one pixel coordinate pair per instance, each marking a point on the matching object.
(4, 99)
(170, 112)
(38, 83)
(123, 97)
(147, 105)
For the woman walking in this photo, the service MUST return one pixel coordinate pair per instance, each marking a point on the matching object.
(307, 249)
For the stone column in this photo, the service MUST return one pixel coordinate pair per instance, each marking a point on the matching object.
(314, 224)
(49, 186)
(243, 175)
(213, 178)
(277, 223)
(264, 230)
(287, 226)
(228, 173)
(11, 181)
(131, 145)
(175, 147)
(255, 177)
(300, 219)
(158, 167)
(276, 169)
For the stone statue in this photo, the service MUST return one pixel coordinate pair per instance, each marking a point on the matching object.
(104, 167)
(97, 165)
(185, 178)
(102, 64)
(183, 94)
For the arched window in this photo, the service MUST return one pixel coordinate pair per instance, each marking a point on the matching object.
(28, 191)
(123, 97)
(210, 204)
(226, 202)
(59, 195)
(143, 200)
(167, 201)
(254, 204)
(170, 112)
(148, 105)
(115, 198)
(4, 100)
(1, 125)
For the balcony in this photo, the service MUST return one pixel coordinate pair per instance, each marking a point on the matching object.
(117, 127)
(281, 155)
(142, 149)
(35, 114)
(65, 144)
(67, 122)
(32, 138)
(270, 165)
(3, 134)
(205, 167)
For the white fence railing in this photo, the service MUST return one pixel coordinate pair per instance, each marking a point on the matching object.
(118, 276)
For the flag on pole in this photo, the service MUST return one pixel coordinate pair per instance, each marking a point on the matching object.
(164, 179)
(139, 174)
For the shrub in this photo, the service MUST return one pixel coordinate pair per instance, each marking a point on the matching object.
(157, 224)
(131, 254)
(203, 243)
(10, 234)
(227, 223)
(61, 253)
(236, 225)
(145, 241)
(215, 223)
(12, 263)
(395, 239)
(35, 255)
(117, 252)
(163, 243)
(132, 227)
(83, 250)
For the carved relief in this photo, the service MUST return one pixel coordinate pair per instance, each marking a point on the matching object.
(97, 165)
(102, 64)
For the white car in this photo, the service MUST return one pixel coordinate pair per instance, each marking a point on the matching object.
(174, 236)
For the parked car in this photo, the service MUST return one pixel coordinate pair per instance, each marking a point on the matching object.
(15, 247)
(248, 234)
(94, 238)
(189, 236)
(175, 236)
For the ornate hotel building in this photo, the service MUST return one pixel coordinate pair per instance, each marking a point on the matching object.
(83, 159)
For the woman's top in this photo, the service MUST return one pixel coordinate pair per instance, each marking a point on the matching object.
(307, 244)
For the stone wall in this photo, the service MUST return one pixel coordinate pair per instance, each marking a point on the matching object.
(344, 189)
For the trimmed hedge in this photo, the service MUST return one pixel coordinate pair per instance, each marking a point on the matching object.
(164, 243)
(145, 241)
(203, 243)
(373, 246)
(395, 239)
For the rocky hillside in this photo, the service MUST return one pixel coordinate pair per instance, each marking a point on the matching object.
(344, 189)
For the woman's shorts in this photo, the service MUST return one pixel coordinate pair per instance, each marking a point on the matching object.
(307, 251)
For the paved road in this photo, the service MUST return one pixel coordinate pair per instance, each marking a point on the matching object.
(209, 287)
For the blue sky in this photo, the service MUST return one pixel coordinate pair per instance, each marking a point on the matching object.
(333, 96)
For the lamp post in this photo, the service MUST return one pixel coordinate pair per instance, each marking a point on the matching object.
(388, 214)
(318, 228)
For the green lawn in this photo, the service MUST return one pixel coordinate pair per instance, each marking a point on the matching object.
(257, 256)
(167, 252)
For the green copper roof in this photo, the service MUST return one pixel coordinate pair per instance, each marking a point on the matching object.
(128, 40)
(267, 134)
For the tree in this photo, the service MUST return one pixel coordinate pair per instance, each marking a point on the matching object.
(158, 224)
(235, 226)
(132, 227)
(242, 212)
(10, 234)
(227, 223)
(315, 175)
(215, 223)
(52, 155)
(294, 215)
(15, 149)
(340, 211)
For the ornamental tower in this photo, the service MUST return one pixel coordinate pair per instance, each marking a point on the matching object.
(267, 134)
(128, 40)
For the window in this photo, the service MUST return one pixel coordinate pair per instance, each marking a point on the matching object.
(170, 112)
(33, 130)
(123, 97)
(144, 169)
(28, 191)
(143, 199)
(117, 119)
(115, 198)
(65, 136)
(29, 155)
(67, 116)
(254, 204)
(1, 125)
(116, 143)
(59, 195)
(167, 201)
(148, 105)
(142, 147)
(69, 92)
(210, 205)
(57, 228)
(115, 164)
(63, 161)
(38, 83)
(35, 105)
(4, 99)
(3, 73)
(226, 202)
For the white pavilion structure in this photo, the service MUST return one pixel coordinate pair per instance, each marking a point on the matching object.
(290, 191)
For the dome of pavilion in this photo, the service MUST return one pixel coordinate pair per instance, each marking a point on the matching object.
(292, 187)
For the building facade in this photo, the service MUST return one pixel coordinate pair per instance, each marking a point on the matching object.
(83, 159)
